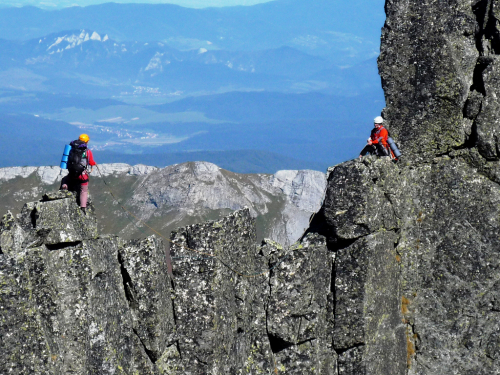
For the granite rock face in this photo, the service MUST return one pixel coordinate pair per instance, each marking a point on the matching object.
(360, 227)
(73, 301)
(299, 310)
(64, 307)
(416, 243)
(416, 266)
(439, 69)
(428, 62)
(398, 274)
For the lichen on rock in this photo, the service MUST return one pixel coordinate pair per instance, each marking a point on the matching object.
(397, 274)
(64, 309)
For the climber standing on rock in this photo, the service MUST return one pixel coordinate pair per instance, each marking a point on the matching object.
(377, 143)
(79, 159)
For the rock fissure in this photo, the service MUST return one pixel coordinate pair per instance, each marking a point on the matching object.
(478, 84)
(338, 243)
(306, 341)
(149, 353)
(471, 141)
(127, 283)
(199, 360)
(480, 168)
(481, 10)
(299, 329)
(62, 245)
(179, 351)
(332, 284)
(190, 241)
(278, 344)
(490, 31)
(33, 217)
(411, 345)
(174, 314)
(340, 351)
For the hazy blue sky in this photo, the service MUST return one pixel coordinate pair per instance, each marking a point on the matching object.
(186, 3)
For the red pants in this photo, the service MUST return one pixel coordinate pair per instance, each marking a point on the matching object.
(74, 185)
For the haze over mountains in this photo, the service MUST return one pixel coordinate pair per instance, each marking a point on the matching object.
(293, 82)
(185, 3)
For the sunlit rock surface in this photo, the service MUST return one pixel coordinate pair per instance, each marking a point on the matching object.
(416, 242)
(398, 273)
(74, 301)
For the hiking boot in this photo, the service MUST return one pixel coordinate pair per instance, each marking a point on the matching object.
(84, 210)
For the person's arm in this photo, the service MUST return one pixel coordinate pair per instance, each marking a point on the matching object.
(90, 158)
(384, 135)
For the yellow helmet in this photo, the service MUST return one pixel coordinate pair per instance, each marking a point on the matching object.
(84, 138)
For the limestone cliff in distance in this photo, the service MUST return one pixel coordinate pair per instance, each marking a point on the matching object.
(178, 195)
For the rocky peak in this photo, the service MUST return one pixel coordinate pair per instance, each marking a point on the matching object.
(428, 64)
(439, 73)
(75, 301)
(416, 274)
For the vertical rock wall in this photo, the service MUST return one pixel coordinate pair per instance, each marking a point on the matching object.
(439, 70)
(416, 267)
(64, 309)
(416, 243)
(427, 64)
(361, 229)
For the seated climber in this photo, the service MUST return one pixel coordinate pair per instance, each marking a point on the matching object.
(377, 143)
(77, 180)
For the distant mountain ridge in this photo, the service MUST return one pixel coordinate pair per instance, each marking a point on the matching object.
(84, 53)
(90, 58)
(68, 77)
(320, 27)
(282, 85)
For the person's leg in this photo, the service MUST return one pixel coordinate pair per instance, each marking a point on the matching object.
(368, 149)
(69, 183)
(64, 183)
(84, 194)
(381, 150)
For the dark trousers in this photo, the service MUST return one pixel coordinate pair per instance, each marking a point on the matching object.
(376, 149)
